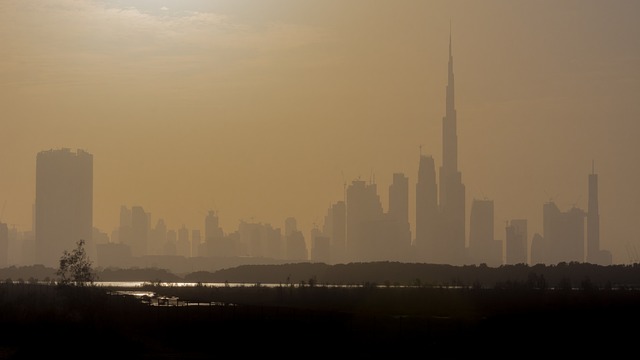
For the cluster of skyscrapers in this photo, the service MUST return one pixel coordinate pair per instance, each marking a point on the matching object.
(355, 229)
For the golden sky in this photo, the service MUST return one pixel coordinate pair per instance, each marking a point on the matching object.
(262, 109)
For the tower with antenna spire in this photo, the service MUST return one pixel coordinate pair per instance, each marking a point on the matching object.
(594, 254)
(440, 210)
(452, 190)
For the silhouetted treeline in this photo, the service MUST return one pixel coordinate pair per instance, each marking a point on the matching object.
(565, 275)
(31, 273)
(40, 273)
(137, 274)
(562, 275)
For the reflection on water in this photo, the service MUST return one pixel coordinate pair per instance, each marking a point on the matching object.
(133, 284)
(152, 299)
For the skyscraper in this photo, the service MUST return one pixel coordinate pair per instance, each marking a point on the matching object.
(213, 235)
(563, 234)
(399, 198)
(426, 210)
(399, 210)
(4, 245)
(593, 219)
(363, 210)
(516, 242)
(64, 203)
(139, 231)
(594, 254)
(335, 227)
(483, 248)
(452, 191)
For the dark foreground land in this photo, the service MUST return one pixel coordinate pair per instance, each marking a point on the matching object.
(47, 321)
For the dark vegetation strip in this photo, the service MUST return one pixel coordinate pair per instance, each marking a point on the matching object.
(573, 275)
(87, 322)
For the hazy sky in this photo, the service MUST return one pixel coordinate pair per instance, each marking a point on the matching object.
(263, 109)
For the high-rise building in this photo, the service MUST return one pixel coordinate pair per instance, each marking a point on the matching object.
(273, 244)
(399, 198)
(563, 234)
(4, 245)
(441, 237)
(183, 245)
(334, 228)
(426, 211)
(64, 203)
(516, 242)
(338, 232)
(483, 248)
(157, 238)
(363, 210)
(139, 241)
(195, 242)
(594, 254)
(452, 190)
(290, 226)
(295, 245)
(399, 212)
(213, 235)
(320, 246)
(538, 249)
(170, 247)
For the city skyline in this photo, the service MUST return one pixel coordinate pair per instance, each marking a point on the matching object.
(363, 232)
(267, 181)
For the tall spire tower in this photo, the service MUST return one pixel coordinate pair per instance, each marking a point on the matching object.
(595, 255)
(452, 191)
(449, 122)
(593, 218)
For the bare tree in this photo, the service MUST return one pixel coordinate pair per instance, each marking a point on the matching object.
(75, 267)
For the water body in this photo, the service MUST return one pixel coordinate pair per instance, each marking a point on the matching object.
(135, 284)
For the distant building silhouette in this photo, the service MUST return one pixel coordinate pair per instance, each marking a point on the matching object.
(320, 247)
(99, 237)
(363, 211)
(64, 203)
(214, 236)
(372, 234)
(563, 236)
(261, 240)
(170, 246)
(125, 230)
(139, 231)
(399, 212)
(183, 245)
(427, 240)
(335, 229)
(538, 250)
(516, 242)
(158, 238)
(290, 226)
(445, 242)
(274, 246)
(196, 241)
(452, 191)
(135, 231)
(295, 245)
(594, 254)
(4, 245)
(483, 247)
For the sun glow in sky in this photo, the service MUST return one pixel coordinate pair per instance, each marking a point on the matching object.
(262, 110)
